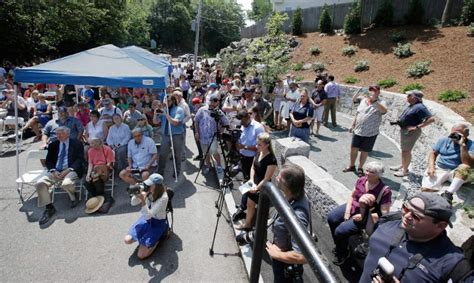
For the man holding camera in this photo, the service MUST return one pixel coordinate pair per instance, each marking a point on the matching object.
(415, 248)
(286, 256)
(231, 106)
(142, 156)
(206, 124)
(451, 159)
(413, 118)
(247, 144)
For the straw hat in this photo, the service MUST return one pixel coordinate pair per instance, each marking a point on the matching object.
(93, 204)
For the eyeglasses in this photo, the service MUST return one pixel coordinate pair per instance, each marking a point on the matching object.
(407, 209)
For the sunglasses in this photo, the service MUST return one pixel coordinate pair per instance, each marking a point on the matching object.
(407, 209)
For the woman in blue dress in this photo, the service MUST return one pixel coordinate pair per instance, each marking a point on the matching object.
(152, 224)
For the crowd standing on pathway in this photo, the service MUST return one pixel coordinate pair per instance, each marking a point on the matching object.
(101, 130)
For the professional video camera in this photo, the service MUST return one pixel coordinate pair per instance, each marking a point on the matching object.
(137, 188)
(216, 114)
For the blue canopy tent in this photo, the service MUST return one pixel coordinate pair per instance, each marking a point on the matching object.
(104, 65)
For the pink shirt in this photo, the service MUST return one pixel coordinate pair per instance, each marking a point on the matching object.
(101, 156)
(83, 117)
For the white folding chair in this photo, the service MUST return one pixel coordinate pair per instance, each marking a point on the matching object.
(56, 189)
(109, 185)
(10, 121)
(30, 177)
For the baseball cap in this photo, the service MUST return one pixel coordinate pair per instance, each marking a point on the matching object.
(212, 85)
(435, 206)
(374, 86)
(243, 113)
(196, 100)
(416, 93)
(156, 179)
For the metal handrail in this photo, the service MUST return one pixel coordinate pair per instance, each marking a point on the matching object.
(298, 232)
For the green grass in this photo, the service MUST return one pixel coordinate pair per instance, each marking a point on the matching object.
(411, 86)
(299, 78)
(452, 95)
(351, 80)
(297, 67)
(387, 83)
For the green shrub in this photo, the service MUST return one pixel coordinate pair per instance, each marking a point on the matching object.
(351, 80)
(349, 50)
(314, 50)
(452, 95)
(419, 69)
(469, 210)
(299, 78)
(387, 83)
(325, 22)
(402, 50)
(297, 66)
(361, 66)
(296, 27)
(412, 86)
(352, 20)
(470, 29)
(384, 15)
(467, 14)
(398, 36)
(319, 66)
(415, 13)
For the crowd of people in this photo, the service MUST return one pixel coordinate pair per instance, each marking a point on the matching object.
(101, 131)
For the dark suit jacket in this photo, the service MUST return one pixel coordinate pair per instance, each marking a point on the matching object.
(75, 156)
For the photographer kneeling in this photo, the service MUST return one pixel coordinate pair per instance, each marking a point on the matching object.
(152, 224)
(284, 251)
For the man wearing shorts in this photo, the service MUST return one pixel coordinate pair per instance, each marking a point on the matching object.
(450, 160)
(206, 127)
(365, 128)
(413, 118)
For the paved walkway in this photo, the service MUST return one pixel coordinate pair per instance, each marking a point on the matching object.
(77, 247)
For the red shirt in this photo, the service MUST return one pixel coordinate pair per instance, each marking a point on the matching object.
(84, 117)
(100, 156)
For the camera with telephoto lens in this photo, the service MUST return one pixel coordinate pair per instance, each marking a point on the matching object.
(384, 269)
(216, 114)
(137, 188)
(455, 136)
(245, 238)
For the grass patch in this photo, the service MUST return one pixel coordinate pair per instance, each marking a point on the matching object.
(351, 80)
(299, 78)
(314, 50)
(452, 95)
(297, 66)
(387, 83)
(412, 87)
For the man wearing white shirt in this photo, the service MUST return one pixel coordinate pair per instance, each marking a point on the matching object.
(117, 138)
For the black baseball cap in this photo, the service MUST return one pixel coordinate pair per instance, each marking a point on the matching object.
(435, 206)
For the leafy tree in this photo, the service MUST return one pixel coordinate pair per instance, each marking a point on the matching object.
(297, 25)
(260, 10)
(136, 24)
(221, 22)
(415, 13)
(325, 22)
(467, 15)
(274, 25)
(384, 15)
(352, 20)
(171, 23)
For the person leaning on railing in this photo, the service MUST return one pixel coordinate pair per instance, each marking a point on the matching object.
(287, 258)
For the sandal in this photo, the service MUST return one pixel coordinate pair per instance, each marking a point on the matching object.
(400, 173)
(349, 169)
(360, 172)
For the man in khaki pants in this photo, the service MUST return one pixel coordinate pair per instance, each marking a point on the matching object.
(65, 164)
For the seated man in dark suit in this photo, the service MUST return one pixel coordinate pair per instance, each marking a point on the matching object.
(65, 163)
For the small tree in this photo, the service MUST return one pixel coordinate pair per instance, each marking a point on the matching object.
(467, 15)
(325, 22)
(352, 20)
(384, 15)
(296, 27)
(415, 13)
(274, 25)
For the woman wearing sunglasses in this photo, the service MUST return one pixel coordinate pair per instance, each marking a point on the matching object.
(370, 194)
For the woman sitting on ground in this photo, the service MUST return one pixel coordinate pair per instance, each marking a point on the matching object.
(264, 165)
(100, 160)
(42, 113)
(369, 194)
(152, 224)
(142, 124)
(301, 115)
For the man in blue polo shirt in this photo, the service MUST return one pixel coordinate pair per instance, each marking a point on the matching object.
(248, 141)
(417, 245)
(450, 160)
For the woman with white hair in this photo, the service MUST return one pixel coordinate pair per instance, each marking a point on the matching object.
(370, 195)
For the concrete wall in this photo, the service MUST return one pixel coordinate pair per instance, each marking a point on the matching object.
(433, 12)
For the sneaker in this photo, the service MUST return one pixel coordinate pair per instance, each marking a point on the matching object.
(236, 168)
(205, 171)
(219, 169)
(448, 196)
(340, 259)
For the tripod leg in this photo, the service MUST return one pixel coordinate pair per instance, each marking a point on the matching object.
(205, 157)
(219, 213)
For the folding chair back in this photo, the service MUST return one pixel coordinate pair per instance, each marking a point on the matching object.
(30, 177)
